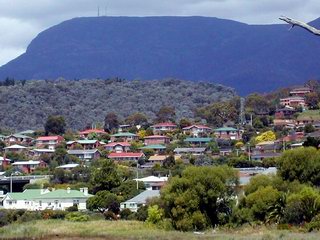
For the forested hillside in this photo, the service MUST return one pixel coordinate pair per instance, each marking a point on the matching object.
(27, 104)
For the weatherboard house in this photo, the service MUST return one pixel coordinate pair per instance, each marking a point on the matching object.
(41, 199)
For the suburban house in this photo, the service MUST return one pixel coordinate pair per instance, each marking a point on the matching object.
(86, 154)
(157, 159)
(28, 166)
(140, 200)
(124, 137)
(192, 151)
(285, 113)
(163, 127)
(287, 123)
(36, 153)
(49, 142)
(197, 130)
(153, 182)
(300, 92)
(156, 139)
(118, 147)
(87, 132)
(41, 199)
(158, 148)
(69, 166)
(18, 139)
(293, 102)
(227, 133)
(15, 148)
(264, 155)
(267, 146)
(197, 141)
(4, 162)
(126, 156)
(85, 144)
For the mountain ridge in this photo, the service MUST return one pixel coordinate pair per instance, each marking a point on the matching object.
(246, 57)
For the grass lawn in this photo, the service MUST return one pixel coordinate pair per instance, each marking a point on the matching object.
(122, 230)
(312, 114)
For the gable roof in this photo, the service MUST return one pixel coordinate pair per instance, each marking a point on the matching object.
(155, 146)
(88, 131)
(49, 138)
(165, 124)
(81, 151)
(156, 136)
(198, 139)
(63, 193)
(225, 129)
(85, 141)
(142, 197)
(196, 126)
(124, 134)
(15, 146)
(125, 155)
(27, 194)
(113, 144)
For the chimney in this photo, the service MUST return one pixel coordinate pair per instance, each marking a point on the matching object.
(81, 190)
(68, 190)
(42, 191)
(85, 191)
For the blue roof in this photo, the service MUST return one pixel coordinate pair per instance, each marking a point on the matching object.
(198, 140)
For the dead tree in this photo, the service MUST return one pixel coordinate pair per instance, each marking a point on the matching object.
(306, 26)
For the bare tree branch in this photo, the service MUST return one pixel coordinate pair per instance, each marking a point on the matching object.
(306, 26)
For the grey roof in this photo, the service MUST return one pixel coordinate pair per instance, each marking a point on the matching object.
(80, 151)
(142, 197)
(191, 150)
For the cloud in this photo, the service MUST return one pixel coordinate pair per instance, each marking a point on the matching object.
(22, 20)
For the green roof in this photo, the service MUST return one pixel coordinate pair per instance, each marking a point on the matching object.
(30, 194)
(224, 129)
(198, 140)
(156, 146)
(27, 194)
(63, 193)
(124, 134)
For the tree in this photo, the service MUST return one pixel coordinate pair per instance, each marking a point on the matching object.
(200, 198)
(166, 113)
(102, 201)
(302, 164)
(111, 122)
(106, 176)
(266, 136)
(312, 100)
(137, 118)
(55, 125)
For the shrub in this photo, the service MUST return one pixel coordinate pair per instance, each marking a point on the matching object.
(154, 214)
(109, 215)
(73, 208)
(125, 213)
(4, 218)
(77, 217)
(30, 216)
(142, 213)
(58, 214)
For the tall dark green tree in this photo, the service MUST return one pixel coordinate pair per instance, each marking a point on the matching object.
(111, 122)
(55, 125)
(166, 113)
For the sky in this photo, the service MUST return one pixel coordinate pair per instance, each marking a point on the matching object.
(22, 20)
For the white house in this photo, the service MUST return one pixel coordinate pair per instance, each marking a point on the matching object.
(153, 182)
(40, 199)
(140, 200)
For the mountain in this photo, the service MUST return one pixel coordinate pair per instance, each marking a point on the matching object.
(246, 57)
(27, 104)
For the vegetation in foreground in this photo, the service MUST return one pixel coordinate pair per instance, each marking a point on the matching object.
(99, 229)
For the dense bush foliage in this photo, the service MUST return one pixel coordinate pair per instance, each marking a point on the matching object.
(85, 102)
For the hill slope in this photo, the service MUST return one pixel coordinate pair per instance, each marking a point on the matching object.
(88, 101)
(246, 57)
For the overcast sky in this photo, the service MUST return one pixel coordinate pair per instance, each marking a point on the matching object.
(22, 20)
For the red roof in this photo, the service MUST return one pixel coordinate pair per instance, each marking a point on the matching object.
(49, 138)
(155, 136)
(113, 144)
(125, 155)
(88, 131)
(196, 126)
(166, 124)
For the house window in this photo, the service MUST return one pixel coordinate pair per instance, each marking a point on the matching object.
(75, 201)
(40, 203)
